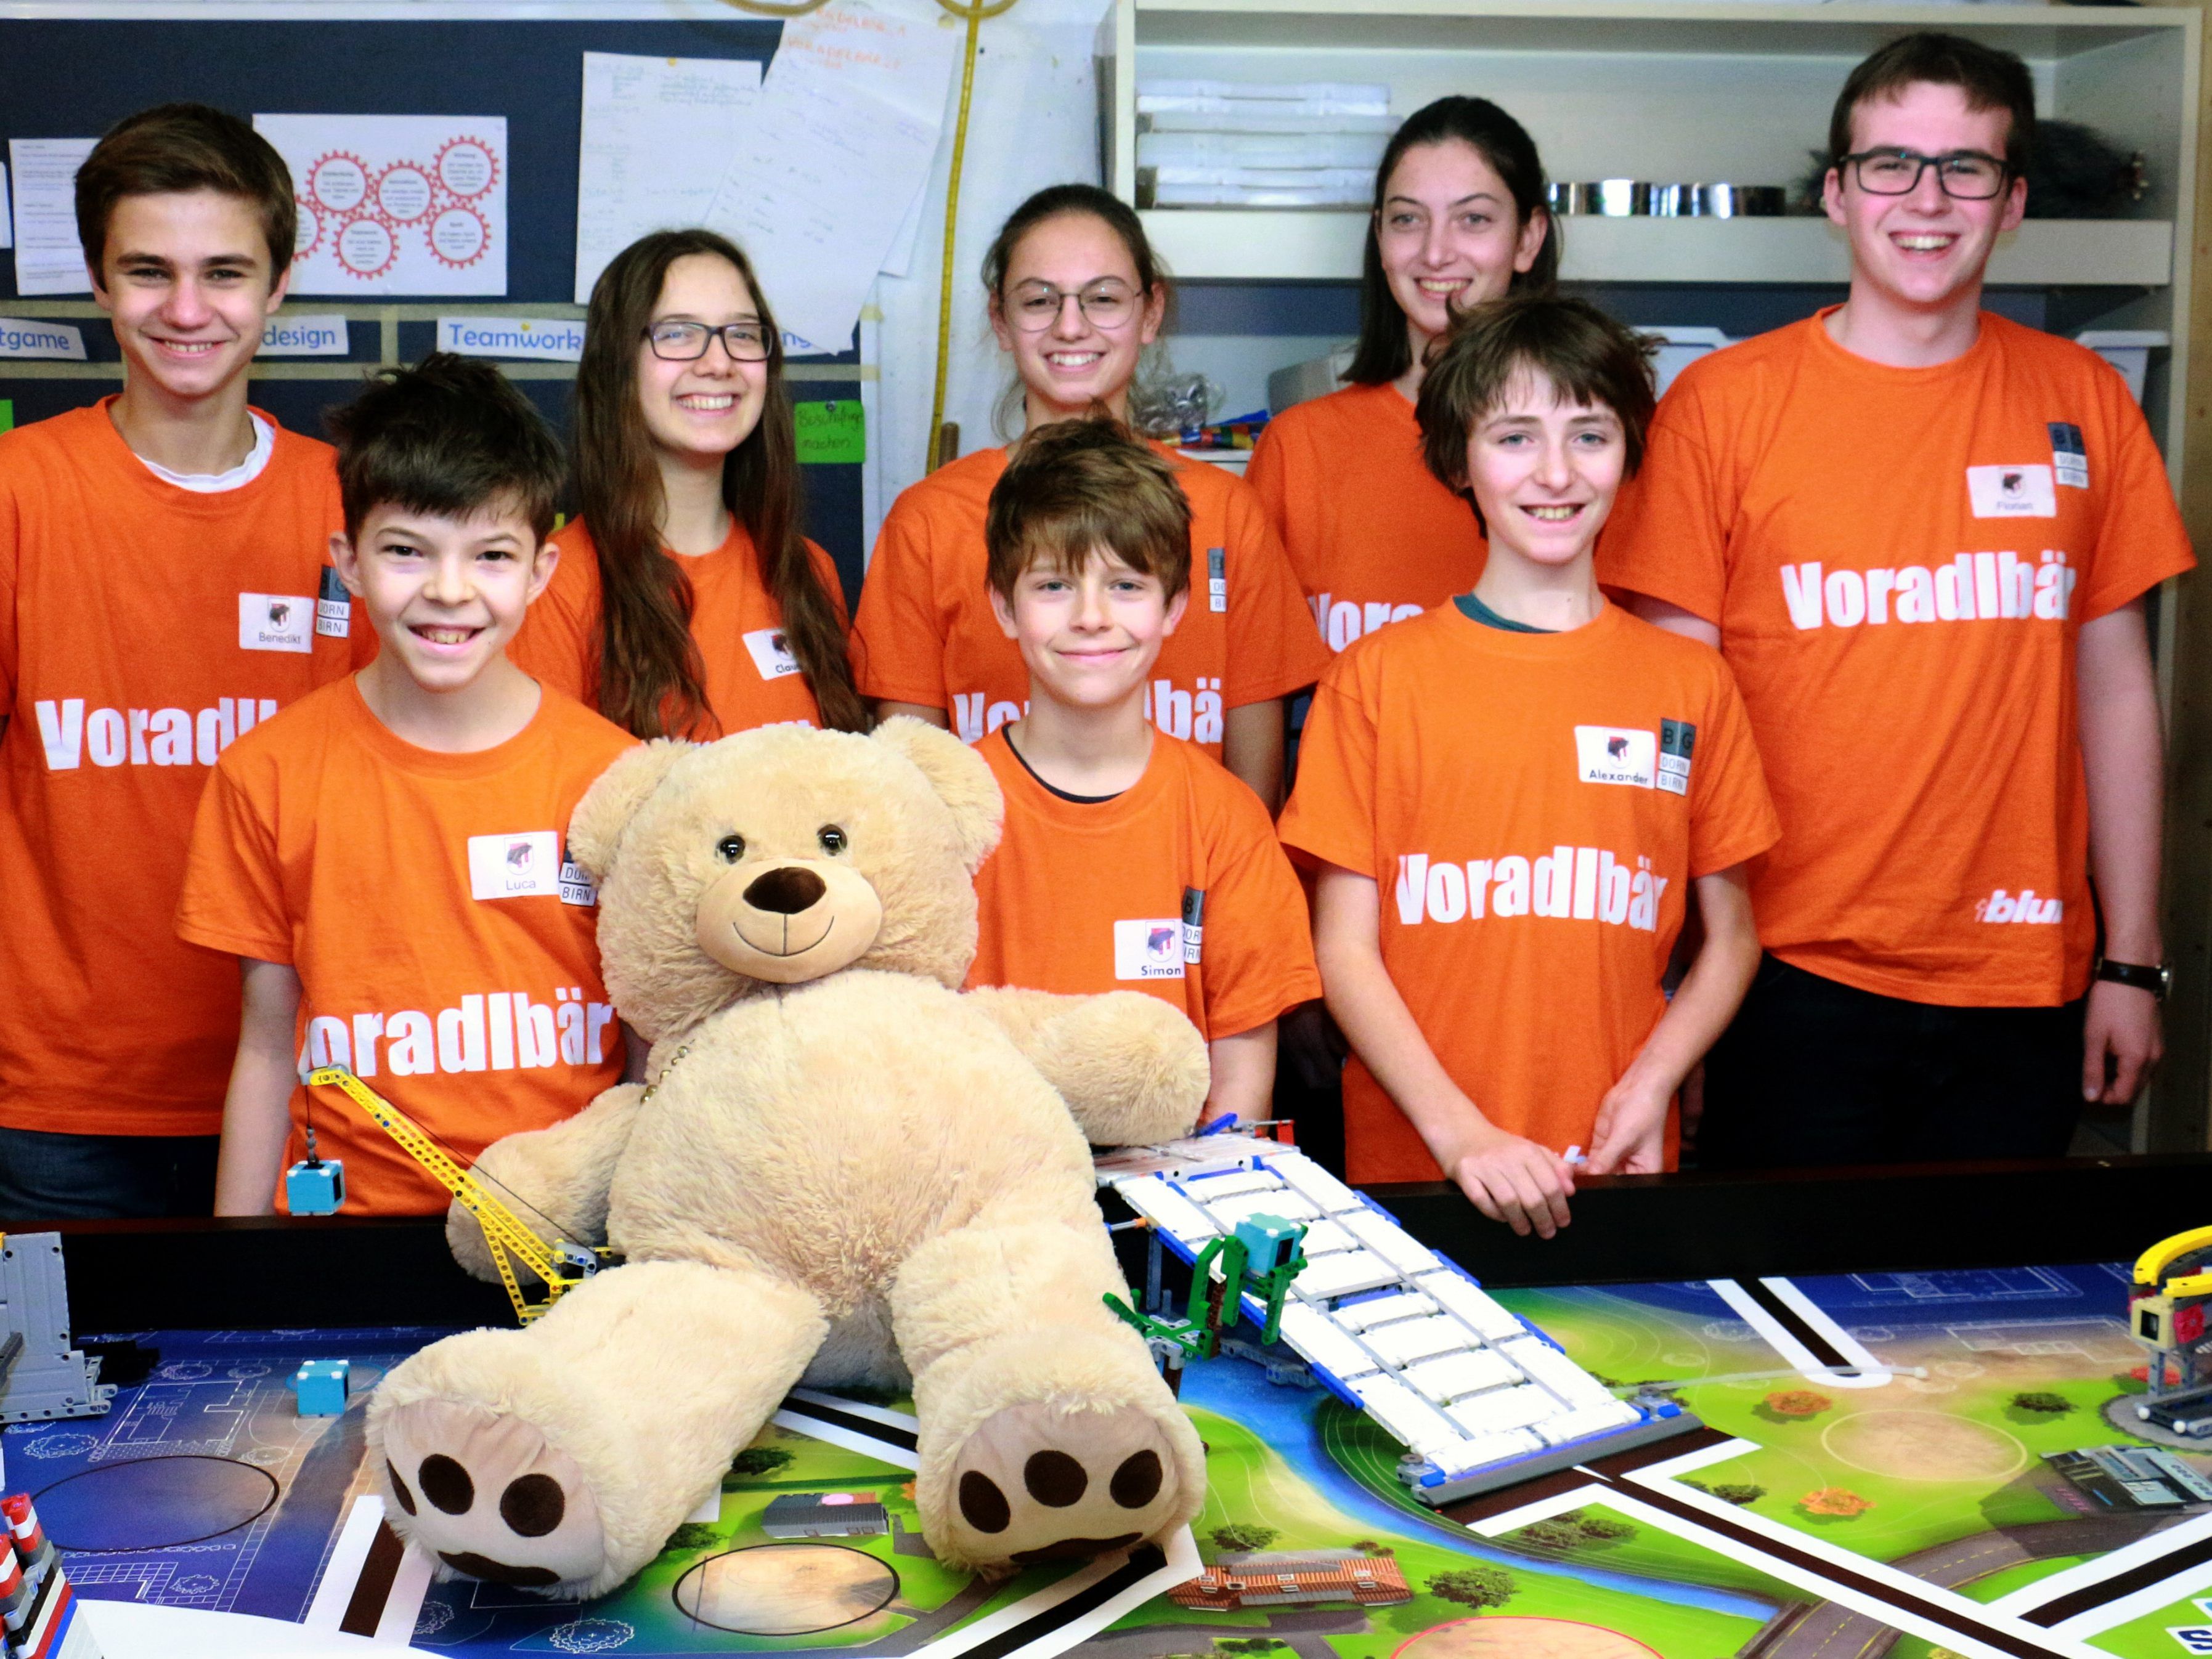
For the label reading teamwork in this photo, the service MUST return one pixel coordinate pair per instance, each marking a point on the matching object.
(542, 339)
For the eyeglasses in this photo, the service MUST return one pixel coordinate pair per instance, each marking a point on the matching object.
(686, 342)
(1964, 175)
(1038, 305)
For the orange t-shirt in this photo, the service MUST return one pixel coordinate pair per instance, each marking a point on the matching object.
(1371, 535)
(1900, 560)
(752, 678)
(1177, 886)
(143, 629)
(925, 634)
(446, 950)
(1531, 807)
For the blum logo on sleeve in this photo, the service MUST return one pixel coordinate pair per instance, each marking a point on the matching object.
(2002, 906)
(1574, 884)
(494, 1031)
(1972, 587)
(143, 737)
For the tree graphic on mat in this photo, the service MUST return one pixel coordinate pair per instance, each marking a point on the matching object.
(1474, 1587)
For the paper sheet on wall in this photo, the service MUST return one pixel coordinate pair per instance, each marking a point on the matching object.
(48, 257)
(657, 134)
(841, 138)
(396, 203)
(7, 219)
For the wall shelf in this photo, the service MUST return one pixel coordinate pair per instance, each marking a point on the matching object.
(1265, 244)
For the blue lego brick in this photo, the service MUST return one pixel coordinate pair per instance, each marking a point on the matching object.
(322, 1386)
(315, 1189)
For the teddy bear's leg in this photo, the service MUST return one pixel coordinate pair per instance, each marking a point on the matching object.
(1047, 1433)
(562, 1455)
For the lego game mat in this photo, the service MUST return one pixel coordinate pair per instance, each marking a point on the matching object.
(1907, 1463)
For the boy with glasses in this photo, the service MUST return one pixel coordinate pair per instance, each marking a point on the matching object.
(1922, 535)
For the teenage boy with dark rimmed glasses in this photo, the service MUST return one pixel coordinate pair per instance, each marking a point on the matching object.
(1922, 535)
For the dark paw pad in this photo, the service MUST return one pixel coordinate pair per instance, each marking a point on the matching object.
(1137, 1482)
(498, 1572)
(399, 1488)
(1073, 1549)
(532, 1505)
(983, 1505)
(1054, 1479)
(445, 1484)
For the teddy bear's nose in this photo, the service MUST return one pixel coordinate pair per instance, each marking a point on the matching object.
(786, 891)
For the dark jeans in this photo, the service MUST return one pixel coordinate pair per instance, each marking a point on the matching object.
(60, 1177)
(1814, 1072)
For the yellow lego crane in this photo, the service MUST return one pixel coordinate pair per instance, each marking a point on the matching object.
(2166, 1315)
(561, 1265)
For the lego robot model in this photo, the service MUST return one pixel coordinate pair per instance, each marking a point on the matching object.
(1258, 1259)
(2165, 1315)
(39, 1613)
(317, 1187)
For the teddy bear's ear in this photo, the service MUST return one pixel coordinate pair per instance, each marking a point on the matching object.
(609, 804)
(961, 777)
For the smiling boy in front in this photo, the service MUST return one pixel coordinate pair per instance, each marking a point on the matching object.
(386, 858)
(1535, 777)
(1130, 860)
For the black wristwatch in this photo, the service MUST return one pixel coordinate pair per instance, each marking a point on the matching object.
(2157, 981)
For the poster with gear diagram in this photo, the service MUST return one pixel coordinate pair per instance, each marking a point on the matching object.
(412, 204)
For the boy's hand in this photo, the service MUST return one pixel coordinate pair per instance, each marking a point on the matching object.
(1629, 1135)
(1513, 1181)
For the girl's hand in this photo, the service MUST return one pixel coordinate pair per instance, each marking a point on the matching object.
(1511, 1180)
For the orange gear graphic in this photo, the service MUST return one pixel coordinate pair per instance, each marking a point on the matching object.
(491, 167)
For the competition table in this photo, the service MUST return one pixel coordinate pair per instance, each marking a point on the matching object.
(1857, 1344)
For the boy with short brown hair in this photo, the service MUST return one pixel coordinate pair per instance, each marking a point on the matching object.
(164, 586)
(388, 858)
(1130, 859)
(1508, 797)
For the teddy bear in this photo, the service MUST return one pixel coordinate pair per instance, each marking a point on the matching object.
(841, 1170)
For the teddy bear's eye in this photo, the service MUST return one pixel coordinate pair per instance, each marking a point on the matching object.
(730, 848)
(832, 839)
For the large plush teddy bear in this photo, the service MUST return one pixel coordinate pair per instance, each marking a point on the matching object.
(841, 1171)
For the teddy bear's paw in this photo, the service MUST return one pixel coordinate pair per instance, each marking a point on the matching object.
(488, 1496)
(1037, 1484)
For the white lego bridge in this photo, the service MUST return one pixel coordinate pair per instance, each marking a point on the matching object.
(1389, 1326)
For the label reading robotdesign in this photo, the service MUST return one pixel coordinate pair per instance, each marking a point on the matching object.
(1676, 739)
(2012, 492)
(333, 606)
(525, 865)
(2070, 456)
(276, 622)
(771, 652)
(1610, 754)
(1150, 948)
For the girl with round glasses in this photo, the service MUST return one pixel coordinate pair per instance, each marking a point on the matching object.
(1459, 218)
(1075, 296)
(687, 603)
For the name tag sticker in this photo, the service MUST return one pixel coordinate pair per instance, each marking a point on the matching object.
(2012, 492)
(1148, 949)
(771, 653)
(1608, 754)
(276, 622)
(1217, 578)
(1677, 738)
(520, 865)
(576, 885)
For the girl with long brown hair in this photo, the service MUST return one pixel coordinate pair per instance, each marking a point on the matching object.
(1075, 294)
(687, 603)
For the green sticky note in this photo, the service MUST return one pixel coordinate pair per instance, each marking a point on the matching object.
(6, 413)
(831, 431)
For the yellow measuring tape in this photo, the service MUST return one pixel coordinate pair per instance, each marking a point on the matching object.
(973, 16)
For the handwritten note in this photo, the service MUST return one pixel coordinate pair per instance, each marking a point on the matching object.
(48, 257)
(657, 135)
(840, 142)
(836, 431)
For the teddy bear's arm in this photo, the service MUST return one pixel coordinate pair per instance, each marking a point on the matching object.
(555, 1180)
(1131, 1068)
